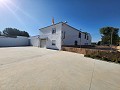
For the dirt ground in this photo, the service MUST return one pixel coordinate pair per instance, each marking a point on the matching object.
(31, 68)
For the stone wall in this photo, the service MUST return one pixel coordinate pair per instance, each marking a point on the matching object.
(82, 50)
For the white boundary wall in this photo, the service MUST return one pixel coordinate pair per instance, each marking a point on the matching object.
(14, 42)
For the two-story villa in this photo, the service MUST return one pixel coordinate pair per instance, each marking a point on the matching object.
(62, 34)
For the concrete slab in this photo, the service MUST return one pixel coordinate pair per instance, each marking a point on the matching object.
(30, 68)
(106, 76)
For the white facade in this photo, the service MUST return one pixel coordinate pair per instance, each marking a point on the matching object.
(61, 34)
(70, 35)
(13, 42)
(46, 34)
(34, 41)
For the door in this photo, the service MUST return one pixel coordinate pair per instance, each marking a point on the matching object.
(43, 43)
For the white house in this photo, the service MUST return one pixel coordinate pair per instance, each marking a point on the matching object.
(62, 34)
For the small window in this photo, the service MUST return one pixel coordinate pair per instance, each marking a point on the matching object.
(53, 42)
(79, 35)
(53, 30)
(87, 37)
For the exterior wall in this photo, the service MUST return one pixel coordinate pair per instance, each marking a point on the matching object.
(46, 33)
(13, 42)
(72, 35)
(85, 41)
(89, 40)
(34, 41)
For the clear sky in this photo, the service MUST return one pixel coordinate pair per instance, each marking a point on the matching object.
(88, 15)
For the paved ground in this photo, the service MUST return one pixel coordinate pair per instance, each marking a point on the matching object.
(28, 68)
(118, 48)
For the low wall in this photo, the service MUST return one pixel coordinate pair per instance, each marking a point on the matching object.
(14, 41)
(79, 46)
(82, 50)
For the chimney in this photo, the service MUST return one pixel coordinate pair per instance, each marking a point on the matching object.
(53, 21)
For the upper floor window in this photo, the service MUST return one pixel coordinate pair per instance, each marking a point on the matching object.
(87, 37)
(53, 30)
(79, 35)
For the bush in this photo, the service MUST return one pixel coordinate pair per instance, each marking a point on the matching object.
(105, 56)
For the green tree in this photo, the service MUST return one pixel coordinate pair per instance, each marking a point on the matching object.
(107, 33)
(14, 32)
(99, 43)
(24, 33)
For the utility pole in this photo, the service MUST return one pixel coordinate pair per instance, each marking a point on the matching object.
(38, 41)
(80, 42)
(80, 37)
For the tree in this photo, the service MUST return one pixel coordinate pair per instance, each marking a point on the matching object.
(14, 32)
(119, 41)
(108, 33)
(99, 43)
(24, 33)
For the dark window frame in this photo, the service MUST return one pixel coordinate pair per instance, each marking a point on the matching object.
(53, 30)
(53, 42)
(79, 35)
(87, 37)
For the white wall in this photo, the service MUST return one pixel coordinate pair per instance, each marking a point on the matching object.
(85, 41)
(11, 42)
(34, 41)
(72, 35)
(47, 33)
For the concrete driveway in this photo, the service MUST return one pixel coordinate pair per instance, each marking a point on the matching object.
(30, 68)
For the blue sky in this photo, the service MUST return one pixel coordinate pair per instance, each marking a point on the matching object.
(88, 15)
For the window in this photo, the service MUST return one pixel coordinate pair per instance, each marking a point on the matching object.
(53, 42)
(87, 37)
(53, 30)
(79, 35)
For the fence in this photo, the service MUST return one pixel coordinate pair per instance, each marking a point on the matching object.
(14, 41)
